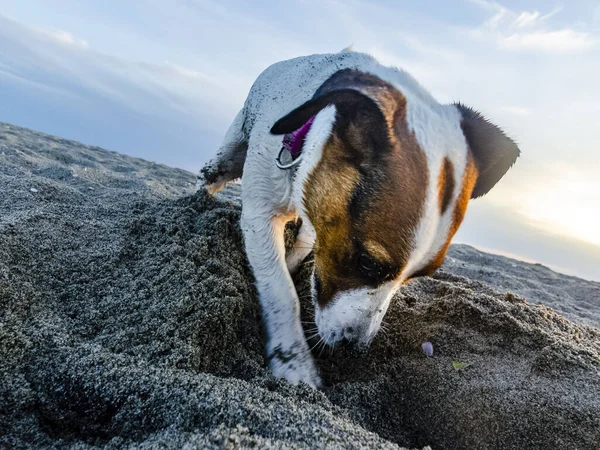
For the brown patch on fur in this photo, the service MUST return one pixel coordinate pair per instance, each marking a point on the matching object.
(370, 186)
(460, 208)
(446, 185)
(391, 216)
(391, 103)
(327, 193)
(468, 184)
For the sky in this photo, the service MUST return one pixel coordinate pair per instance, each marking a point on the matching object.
(162, 80)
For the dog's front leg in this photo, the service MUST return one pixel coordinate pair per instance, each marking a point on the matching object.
(287, 349)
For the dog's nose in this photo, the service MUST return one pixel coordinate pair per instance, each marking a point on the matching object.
(349, 337)
(348, 333)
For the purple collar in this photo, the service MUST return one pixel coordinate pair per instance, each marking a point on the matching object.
(293, 142)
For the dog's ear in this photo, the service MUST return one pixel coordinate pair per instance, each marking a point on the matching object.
(493, 151)
(299, 116)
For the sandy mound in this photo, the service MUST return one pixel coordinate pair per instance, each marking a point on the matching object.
(576, 299)
(128, 317)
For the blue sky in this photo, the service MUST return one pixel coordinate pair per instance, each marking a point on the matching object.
(161, 79)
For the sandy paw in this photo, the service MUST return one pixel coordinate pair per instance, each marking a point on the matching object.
(294, 365)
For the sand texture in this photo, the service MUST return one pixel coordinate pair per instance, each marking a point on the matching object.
(128, 318)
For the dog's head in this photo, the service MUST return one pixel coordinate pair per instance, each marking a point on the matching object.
(385, 184)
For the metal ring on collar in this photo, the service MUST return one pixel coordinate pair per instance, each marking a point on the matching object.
(289, 165)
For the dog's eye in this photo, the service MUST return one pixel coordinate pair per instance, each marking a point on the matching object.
(373, 269)
(367, 263)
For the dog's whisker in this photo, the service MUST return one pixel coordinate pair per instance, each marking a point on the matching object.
(325, 343)
(312, 336)
(318, 342)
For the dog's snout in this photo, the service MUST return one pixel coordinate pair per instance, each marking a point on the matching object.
(352, 319)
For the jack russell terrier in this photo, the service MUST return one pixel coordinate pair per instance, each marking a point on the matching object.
(380, 174)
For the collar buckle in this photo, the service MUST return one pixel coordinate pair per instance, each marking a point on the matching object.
(292, 143)
(286, 166)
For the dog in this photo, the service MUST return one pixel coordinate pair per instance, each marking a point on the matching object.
(380, 174)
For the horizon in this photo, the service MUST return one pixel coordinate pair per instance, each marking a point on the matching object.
(163, 80)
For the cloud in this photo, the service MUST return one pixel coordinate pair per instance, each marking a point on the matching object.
(561, 198)
(59, 60)
(64, 37)
(516, 110)
(526, 19)
(499, 13)
(51, 77)
(577, 193)
(506, 27)
(10, 78)
(560, 41)
(502, 231)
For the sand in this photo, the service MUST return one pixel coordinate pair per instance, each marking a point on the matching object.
(574, 298)
(128, 318)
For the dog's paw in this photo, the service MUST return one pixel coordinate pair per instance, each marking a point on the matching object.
(211, 188)
(294, 364)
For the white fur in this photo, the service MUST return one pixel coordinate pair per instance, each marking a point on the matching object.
(271, 196)
(312, 151)
(301, 249)
(354, 315)
(440, 137)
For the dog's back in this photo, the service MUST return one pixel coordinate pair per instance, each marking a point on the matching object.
(282, 87)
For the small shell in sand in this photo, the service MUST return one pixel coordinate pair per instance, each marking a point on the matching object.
(427, 348)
